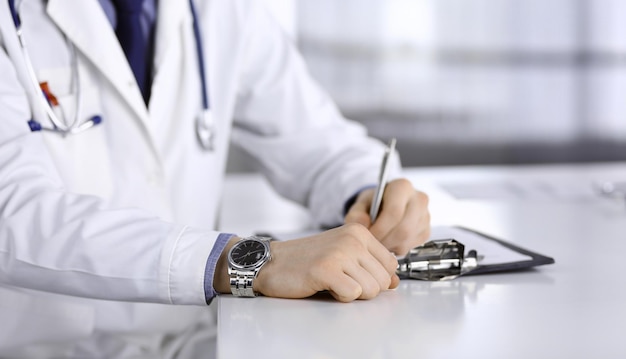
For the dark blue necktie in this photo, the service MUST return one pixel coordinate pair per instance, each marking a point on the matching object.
(134, 42)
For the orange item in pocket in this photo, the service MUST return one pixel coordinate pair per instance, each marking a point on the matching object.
(52, 100)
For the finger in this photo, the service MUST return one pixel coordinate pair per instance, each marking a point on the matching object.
(344, 288)
(383, 256)
(377, 271)
(366, 280)
(395, 200)
(395, 281)
(359, 211)
(413, 230)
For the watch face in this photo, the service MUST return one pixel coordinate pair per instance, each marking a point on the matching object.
(247, 253)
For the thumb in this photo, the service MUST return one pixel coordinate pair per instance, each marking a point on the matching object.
(359, 212)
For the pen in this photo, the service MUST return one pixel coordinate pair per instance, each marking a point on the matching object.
(382, 180)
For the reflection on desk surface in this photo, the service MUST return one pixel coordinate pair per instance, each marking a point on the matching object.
(372, 328)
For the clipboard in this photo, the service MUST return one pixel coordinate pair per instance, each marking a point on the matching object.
(453, 251)
(535, 259)
(482, 254)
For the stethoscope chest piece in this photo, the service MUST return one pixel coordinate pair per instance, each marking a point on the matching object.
(205, 130)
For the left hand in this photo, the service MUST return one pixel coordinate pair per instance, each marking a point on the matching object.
(403, 222)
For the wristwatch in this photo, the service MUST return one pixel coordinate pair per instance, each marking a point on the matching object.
(245, 260)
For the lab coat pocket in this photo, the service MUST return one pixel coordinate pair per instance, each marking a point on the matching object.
(40, 318)
(82, 159)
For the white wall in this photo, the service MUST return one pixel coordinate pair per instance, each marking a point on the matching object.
(475, 70)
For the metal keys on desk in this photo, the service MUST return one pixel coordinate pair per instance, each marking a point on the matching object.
(610, 189)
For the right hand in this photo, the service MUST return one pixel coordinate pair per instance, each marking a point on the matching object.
(348, 261)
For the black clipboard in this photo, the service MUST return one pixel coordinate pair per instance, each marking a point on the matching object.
(535, 259)
(454, 251)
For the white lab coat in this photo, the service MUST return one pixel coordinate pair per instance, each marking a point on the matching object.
(104, 236)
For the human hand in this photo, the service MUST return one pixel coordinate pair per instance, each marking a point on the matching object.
(346, 261)
(403, 222)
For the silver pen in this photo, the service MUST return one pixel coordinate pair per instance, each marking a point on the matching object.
(382, 180)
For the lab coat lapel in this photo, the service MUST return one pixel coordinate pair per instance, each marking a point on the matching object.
(85, 24)
(169, 19)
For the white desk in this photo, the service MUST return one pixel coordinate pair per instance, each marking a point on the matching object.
(575, 308)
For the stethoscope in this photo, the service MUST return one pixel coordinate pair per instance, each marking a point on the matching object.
(205, 127)
(610, 189)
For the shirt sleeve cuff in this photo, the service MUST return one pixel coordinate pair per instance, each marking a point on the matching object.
(211, 263)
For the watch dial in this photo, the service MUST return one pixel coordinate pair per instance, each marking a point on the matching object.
(247, 253)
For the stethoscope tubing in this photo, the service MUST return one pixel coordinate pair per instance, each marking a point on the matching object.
(200, 51)
(204, 122)
(205, 128)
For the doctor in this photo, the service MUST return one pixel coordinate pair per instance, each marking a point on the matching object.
(113, 145)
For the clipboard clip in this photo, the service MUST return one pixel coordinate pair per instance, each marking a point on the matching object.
(437, 260)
